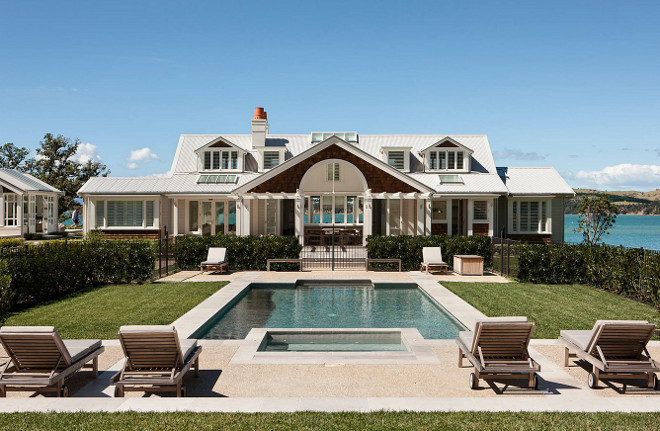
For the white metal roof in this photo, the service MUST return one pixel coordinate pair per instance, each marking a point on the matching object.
(534, 181)
(472, 183)
(185, 160)
(176, 184)
(26, 182)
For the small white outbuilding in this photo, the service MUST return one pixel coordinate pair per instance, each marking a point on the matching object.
(27, 204)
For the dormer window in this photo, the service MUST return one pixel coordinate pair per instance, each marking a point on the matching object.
(397, 157)
(220, 160)
(271, 159)
(447, 160)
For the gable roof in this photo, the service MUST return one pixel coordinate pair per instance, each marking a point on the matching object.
(24, 182)
(352, 148)
(447, 139)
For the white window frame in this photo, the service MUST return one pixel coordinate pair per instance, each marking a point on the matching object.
(156, 218)
(357, 204)
(447, 210)
(406, 156)
(219, 152)
(548, 211)
(446, 151)
(336, 171)
(10, 200)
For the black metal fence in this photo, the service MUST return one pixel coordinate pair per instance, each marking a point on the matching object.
(506, 256)
(166, 262)
(334, 249)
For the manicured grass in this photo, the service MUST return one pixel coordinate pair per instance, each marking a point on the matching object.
(552, 307)
(99, 312)
(334, 421)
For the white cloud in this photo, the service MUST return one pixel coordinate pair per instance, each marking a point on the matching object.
(142, 155)
(132, 165)
(621, 177)
(86, 152)
(512, 154)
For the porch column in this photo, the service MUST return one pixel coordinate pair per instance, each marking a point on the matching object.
(299, 218)
(19, 212)
(491, 217)
(247, 207)
(449, 201)
(175, 217)
(2, 209)
(368, 216)
(239, 217)
(421, 217)
(470, 221)
(428, 207)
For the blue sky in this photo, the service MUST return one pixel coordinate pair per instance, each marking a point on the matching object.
(575, 85)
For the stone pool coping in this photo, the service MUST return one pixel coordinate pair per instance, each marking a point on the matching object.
(194, 319)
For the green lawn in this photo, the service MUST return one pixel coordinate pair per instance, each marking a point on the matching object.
(99, 312)
(552, 307)
(331, 421)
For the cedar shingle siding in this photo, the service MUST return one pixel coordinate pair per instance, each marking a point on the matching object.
(377, 180)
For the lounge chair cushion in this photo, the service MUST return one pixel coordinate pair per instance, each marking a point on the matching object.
(28, 329)
(580, 338)
(216, 255)
(79, 348)
(187, 346)
(147, 328)
(466, 338)
(432, 256)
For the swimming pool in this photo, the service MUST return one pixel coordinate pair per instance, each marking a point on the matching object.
(331, 304)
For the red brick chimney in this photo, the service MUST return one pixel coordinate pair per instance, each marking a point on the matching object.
(260, 114)
(259, 128)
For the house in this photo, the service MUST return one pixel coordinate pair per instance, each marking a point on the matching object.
(27, 204)
(264, 184)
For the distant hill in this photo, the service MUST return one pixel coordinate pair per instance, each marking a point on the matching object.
(628, 202)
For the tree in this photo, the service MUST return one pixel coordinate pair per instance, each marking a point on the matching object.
(13, 157)
(56, 165)
(596, 216)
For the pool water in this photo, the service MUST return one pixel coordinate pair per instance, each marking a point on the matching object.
(332, 305)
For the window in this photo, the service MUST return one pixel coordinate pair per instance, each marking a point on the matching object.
(271, 216)
(11, 209)
(220, 159)
(346, 136)
(124, 214)
(333, 172)
(100, 214)
(450, 179)
(193, 223)
(447, 159)
(217, 179)
(395, 216)
(530, 217)
(51, 210)
(271, 159)
(207, 218)
(343, 210)
(480, 210)
(439, 211)
(25, 210)
(396, 159)
(231, 218)
(219, 218)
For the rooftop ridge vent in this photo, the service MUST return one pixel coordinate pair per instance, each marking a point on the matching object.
(346, 136)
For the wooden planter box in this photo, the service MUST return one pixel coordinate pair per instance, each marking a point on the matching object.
(468, 264)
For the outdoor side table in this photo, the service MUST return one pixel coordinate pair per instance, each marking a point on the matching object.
(468, 264)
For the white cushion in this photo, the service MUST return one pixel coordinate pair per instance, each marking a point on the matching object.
(432, 256)
(147, 328)
(216, 255)
(27, 329)
(187, 346)
(80, 348)
(580, 338)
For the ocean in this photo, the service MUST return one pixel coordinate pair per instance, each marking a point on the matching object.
(629, 231)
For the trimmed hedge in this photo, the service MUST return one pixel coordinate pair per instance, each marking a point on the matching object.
(243, 252)
(409, 248)
(631, 272)
(51, 270)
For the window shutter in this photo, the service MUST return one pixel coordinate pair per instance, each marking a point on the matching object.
(396, 159)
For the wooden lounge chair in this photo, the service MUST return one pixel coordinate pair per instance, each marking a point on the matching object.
(433, 260)
(215, 260)
(615, 349)
(40, 360)
(497, 348)
(156, 360)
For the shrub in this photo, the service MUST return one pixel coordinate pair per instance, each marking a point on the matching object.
(11, 242)
(44, 272)
(630, 272)
(6, 294)
(243, 252)
(409, 248)
(33, 236)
